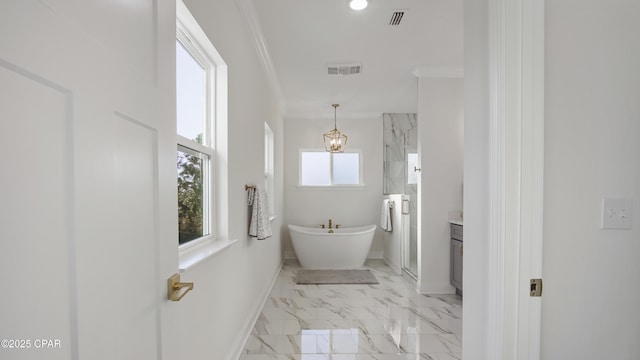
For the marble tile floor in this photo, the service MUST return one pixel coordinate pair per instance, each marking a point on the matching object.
(387, 321)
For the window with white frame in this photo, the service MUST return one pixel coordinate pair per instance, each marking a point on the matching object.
(195, 79)
(269, 167)
(412, 165)
(321, 168)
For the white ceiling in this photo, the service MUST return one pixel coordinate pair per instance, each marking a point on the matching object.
(303, 36)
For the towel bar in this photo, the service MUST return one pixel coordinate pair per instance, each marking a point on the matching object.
(247, 187)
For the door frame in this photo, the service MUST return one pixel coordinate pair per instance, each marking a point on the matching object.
(516, 176)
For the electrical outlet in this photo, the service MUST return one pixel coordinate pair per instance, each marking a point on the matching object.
(617, 214)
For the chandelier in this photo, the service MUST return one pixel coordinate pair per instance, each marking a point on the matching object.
(334, 140)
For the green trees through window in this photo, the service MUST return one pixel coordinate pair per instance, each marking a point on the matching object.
(190, 167)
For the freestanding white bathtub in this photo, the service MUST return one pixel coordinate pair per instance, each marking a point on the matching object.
(344, 248)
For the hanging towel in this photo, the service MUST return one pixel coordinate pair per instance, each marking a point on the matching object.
(259, 224)
(385, 217)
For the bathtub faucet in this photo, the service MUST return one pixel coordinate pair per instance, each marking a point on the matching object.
(330, 225)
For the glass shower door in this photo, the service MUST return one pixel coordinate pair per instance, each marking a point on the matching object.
(410, 261)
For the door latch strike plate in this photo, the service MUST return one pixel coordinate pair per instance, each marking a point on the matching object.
(535, 288)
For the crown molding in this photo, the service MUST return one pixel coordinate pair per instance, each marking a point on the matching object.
(325, 115)
(438, 72)
(250, 15)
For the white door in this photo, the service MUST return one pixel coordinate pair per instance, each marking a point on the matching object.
(87, 137)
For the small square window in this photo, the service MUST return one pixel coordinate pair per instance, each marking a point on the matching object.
(412, 164)
(314, 168)
(321, 168)
(346, 169)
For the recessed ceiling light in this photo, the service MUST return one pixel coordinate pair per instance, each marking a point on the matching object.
(358, 4)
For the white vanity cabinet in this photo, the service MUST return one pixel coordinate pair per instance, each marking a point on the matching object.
(457, 251)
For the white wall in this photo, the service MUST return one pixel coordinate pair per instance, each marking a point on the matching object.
(440, 148)
(476, 175)
(230, 287)
(592, 150)
(345, 206)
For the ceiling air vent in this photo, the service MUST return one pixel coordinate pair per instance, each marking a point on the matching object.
(396, 17)
(343, 69)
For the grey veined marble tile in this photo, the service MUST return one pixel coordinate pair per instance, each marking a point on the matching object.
(386, 321)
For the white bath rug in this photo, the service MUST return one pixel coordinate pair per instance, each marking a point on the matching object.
(306, 277)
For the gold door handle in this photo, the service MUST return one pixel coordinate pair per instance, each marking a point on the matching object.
(176, 290)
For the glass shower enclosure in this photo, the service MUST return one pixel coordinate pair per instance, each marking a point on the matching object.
(400, 137)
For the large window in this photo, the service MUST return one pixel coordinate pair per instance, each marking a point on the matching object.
(195, 149)
(321, 168)
(201, 142)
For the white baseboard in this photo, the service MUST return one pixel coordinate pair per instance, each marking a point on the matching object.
(248, 328)
(289, 255)
(436, 289)
(395, 267)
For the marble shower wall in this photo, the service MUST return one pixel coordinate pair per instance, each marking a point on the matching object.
(400, 136)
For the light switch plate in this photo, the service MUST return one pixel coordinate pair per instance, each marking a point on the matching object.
(617, 214)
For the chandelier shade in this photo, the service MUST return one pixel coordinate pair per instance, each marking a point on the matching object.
(334, 140)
